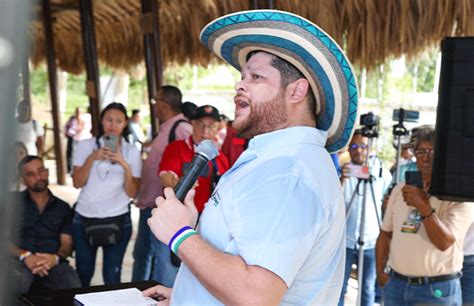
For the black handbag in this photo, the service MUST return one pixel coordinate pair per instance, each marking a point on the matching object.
(103, 231)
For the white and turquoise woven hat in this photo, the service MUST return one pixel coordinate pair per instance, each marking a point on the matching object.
(307, 47)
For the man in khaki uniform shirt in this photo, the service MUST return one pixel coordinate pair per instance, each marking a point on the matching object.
(422, 240)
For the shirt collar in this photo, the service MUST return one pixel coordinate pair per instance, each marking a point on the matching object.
(190, 143)
(276, 140)
(29, 200)
(288, 137)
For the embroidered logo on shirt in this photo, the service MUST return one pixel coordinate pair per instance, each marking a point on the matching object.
(215, 198)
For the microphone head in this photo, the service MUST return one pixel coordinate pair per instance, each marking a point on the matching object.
(208, 149)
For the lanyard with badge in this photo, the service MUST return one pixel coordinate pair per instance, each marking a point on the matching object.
(412, 223)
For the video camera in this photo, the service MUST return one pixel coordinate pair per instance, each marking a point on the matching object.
(369, 120)
(369, 124)
(403, 115)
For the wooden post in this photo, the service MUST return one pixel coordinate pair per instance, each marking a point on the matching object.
(53, 88)
(90, 59)
(157, 49)
(152, 52)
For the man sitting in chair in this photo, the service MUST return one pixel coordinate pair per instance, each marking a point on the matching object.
(41, 239)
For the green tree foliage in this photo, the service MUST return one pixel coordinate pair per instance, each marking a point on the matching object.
(38, 84)
(426, 71)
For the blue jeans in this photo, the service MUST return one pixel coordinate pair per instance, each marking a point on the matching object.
(163, 271)
(86, 255)
(368, 275)
(398, 292)
(467, 280)
(143, 251)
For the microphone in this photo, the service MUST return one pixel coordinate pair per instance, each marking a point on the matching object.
(206, 151)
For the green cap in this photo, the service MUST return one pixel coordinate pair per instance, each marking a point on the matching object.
(438, 293)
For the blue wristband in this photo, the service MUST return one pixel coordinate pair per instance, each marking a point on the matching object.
(176, 235)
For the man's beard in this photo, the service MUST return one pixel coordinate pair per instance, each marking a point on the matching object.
(264, 117)
(359, 160)
(40, 186)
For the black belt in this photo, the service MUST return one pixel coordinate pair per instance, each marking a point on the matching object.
(422, 280)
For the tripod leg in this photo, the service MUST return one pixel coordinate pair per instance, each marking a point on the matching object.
(360, 264)
(379, 219)
(351, 202)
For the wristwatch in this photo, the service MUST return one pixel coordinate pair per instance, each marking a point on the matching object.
(426, 217)
(23, 255)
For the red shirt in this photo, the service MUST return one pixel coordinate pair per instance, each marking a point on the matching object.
(233, 145)
(179, 154)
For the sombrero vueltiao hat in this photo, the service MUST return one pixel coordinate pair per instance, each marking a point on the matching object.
(307, 47)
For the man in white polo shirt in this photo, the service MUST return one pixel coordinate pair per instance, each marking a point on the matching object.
(274, 228)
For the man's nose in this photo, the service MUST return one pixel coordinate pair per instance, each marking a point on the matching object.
(240, 86)
(427, 157)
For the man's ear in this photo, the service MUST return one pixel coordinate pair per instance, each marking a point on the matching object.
(297, 90)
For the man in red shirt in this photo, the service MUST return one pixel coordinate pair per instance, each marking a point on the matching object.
(179, 154)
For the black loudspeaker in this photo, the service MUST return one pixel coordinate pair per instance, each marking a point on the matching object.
(453, 162)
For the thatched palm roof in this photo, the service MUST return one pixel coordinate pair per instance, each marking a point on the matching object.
(370, 30)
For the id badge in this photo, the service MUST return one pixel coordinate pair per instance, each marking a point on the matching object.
(412, 224)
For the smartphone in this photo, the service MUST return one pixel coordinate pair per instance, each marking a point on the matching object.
(413, 178)
(110, 141)
(357, 171)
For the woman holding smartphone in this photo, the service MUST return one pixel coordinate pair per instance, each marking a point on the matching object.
(107, 169)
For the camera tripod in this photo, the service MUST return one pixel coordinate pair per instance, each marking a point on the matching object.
(366, 182)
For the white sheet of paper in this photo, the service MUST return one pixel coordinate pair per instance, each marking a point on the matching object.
(130, 296)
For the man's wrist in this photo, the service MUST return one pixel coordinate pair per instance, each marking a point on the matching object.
(425, 216)
(179, 237)
(24, 255)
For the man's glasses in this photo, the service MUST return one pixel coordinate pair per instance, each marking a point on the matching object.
(355, 146)
(202, 126)
(424, 152)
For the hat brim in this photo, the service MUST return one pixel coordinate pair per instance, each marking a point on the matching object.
(307, 47)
